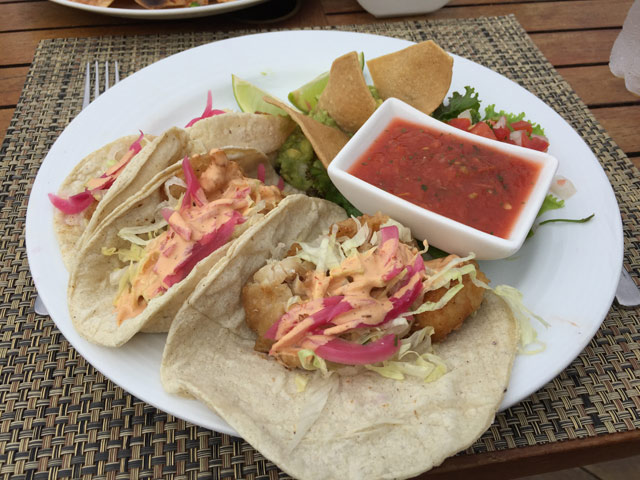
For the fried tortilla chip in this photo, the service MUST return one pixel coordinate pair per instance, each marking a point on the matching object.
(419, 75)
(346, 98)
(326, 141)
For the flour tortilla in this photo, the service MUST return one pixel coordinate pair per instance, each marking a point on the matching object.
(366, 426)
(91, 293)
(245, 130)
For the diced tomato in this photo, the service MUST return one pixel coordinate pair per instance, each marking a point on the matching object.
(461, 123)
(483, 130)
(501, 133)
(522, 125)
(535, 142)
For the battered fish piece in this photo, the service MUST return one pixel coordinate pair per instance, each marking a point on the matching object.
(453, 314)
(276, 285)
(265, 297)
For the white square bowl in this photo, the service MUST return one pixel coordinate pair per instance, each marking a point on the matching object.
(442, 232)
(396, 8)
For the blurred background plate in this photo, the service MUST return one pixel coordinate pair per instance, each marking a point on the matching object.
(122, 9)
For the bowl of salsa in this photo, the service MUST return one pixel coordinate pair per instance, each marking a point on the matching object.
(461, 192)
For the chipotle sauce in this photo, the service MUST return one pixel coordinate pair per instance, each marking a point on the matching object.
(449, 175)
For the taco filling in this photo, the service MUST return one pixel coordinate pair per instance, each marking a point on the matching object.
(209, 208)
(96, 187)
(362, 295)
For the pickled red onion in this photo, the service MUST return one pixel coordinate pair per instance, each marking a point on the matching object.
(81, 201)
(74, 204)
(341, 351)
(205, 247)
(209, 111)
(261, 172)
(136, 146)
(194, 190)
(331, 308)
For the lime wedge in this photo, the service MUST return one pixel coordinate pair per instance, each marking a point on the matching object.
(305, 98)
(250, 98)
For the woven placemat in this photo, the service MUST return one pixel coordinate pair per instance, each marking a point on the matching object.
(60, 418)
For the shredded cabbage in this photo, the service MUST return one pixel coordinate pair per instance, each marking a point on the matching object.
(167, 190)
(404, 233)
(310, 361)
(528, 335)
(350, 245)
(301, 382)
(431, 306)
(325, 256)
(133, 254)
(130, 234)
(414, 358)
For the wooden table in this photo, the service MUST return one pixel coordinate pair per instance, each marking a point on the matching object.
(576, 36)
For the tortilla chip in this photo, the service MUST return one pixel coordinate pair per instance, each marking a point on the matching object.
(346, 98)
(419, 75)
(326, 141)
(338, 426)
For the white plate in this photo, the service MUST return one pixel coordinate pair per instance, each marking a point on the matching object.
(137, 11)
(567, 272)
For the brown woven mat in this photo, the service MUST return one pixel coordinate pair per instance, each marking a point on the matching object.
(60, 418)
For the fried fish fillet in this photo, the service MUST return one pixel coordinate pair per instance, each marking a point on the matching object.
(452, 315)
(267, 295)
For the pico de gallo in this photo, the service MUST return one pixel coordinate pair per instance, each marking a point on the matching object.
(463, 112)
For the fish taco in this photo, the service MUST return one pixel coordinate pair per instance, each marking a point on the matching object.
(344, 354)
(141, 264)
(106, 179)
(92, 189)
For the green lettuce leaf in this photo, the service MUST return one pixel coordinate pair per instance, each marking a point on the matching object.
(457, 103)
(491, 114)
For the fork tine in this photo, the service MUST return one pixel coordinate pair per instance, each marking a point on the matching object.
(96, 85)
(117, 73)
(106, 76)
(87, 88)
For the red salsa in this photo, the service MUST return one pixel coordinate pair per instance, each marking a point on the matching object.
(442, 172)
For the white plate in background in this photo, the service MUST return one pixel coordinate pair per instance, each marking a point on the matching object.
(136, 11)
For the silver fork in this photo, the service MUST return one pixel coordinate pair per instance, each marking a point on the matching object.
(39, 306)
